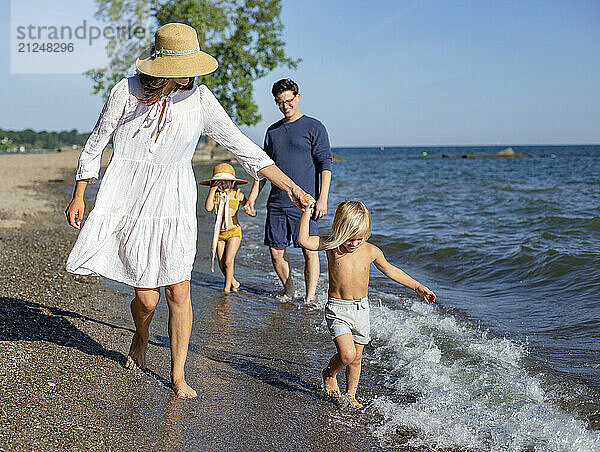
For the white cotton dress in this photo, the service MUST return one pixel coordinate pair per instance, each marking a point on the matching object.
(142, 230)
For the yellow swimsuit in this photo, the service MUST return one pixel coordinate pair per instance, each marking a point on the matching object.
(236, 231)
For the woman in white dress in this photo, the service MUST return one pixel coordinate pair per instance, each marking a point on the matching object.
(142, 230)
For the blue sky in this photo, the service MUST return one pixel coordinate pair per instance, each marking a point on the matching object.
(394, 73)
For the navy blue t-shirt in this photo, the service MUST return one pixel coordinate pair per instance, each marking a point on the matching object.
(301, 150)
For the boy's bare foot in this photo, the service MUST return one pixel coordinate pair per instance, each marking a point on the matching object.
(330, 384)
(183, 390)
(226, 290)
(353, 402)
(235, 289)
(136, 358)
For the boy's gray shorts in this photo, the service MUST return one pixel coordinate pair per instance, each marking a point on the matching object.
(349, 316)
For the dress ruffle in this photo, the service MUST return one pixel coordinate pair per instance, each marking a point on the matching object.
(142, 231)
(141, 252)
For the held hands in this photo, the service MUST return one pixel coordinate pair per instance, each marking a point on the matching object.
(308, 210)
(426, 294)
(310, 204)
(316, 209)
(300, 198)
(75, 212)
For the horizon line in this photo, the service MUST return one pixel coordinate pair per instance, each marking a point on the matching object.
(462, 145)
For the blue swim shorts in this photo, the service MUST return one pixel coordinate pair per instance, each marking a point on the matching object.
(281, 227)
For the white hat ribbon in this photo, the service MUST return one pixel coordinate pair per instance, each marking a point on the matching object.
(163, 51)
(222, 216)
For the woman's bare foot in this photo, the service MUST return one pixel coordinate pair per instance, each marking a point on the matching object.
(330, 384)
(353, 402)
(136, 358)
(183, 390)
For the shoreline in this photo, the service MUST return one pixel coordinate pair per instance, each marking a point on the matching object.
(253, 360)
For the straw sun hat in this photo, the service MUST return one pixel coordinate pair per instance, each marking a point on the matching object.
(223, 171)
(176, 53)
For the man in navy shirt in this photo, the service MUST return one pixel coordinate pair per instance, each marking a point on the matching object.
(299, 145)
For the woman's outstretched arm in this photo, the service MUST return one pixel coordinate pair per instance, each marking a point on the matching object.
(219, 126)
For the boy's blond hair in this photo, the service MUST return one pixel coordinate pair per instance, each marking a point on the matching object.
(352, 218)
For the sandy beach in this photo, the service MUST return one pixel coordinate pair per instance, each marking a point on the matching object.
(254, 360)
(63, 340)
(21, 174)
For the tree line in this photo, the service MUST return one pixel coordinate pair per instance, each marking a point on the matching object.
(30, 139)
(245, 36)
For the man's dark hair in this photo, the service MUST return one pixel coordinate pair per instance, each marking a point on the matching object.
(285, 84)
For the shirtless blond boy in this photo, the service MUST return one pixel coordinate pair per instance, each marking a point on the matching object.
(349, 258)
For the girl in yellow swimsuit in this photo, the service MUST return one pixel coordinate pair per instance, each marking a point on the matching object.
(224, 197)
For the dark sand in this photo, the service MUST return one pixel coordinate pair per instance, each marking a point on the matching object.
(63, 340)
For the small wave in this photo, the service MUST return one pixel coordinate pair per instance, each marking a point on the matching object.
(471, 390)
(526, 188)
(540, 264)
(576, 223)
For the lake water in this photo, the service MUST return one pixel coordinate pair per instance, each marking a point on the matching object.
(509, 357)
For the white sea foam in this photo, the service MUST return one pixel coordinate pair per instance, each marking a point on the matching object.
(455, 386)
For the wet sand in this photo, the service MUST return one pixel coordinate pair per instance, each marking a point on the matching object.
(63, 340)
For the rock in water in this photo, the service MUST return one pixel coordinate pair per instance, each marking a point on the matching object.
(508, 152)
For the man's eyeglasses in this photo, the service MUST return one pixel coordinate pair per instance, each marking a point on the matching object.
(287, 102)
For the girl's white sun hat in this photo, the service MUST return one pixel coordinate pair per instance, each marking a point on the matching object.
(223, 171)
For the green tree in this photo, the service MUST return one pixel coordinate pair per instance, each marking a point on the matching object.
(245, 36)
